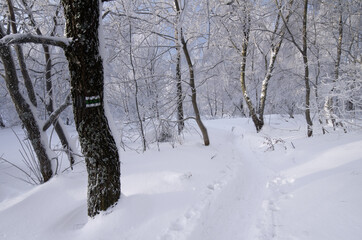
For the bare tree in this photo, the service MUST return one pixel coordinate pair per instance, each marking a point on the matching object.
(331, 101)
(244, 12)
(192, 81)
(83, 51)
(304, 52)
(25, 112)
(49, 102)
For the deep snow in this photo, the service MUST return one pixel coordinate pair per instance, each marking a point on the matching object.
(277, 184)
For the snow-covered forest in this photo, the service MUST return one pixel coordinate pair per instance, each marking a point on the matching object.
(180, 119)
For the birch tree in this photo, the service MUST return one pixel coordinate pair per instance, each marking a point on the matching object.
(247, 16)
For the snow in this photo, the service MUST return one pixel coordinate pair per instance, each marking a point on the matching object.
(237, 188)
(26, 37)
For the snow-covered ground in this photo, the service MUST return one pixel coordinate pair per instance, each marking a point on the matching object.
(277, 184)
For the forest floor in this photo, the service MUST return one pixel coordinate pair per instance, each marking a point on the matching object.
(277, 184)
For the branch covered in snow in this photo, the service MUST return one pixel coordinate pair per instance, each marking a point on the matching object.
(29, 38)
(54, 116)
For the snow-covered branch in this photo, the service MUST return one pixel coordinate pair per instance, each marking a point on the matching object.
(54, 116)
(29, 38)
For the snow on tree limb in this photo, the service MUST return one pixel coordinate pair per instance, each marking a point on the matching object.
(54, 116)
(29, 38)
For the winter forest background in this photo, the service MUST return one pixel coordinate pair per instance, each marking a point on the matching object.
(142, 52)
(165, 65)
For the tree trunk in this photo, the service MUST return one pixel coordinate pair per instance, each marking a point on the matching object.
(50, 106)
(258, 123)
(180, 109)
(87, 83)
(25, 113)
(19, 52)
(304, 52)
(138, 111)
(263, 93)
(2, 125)
(331, 101)
(61, 132)
(306, 72)
(199, 122)
(258, 116)
(316, 90)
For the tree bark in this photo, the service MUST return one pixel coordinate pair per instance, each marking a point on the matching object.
(87, 83)
(306, 72)
(258, 122)
(180, 109)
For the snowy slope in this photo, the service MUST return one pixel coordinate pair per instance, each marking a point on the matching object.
(237, 188)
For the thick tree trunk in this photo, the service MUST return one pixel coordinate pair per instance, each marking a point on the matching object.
(87, 82)
(25, 113)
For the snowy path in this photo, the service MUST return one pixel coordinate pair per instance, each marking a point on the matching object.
(229, 208)
(284, 194)
(304, 189)
(236, 204)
